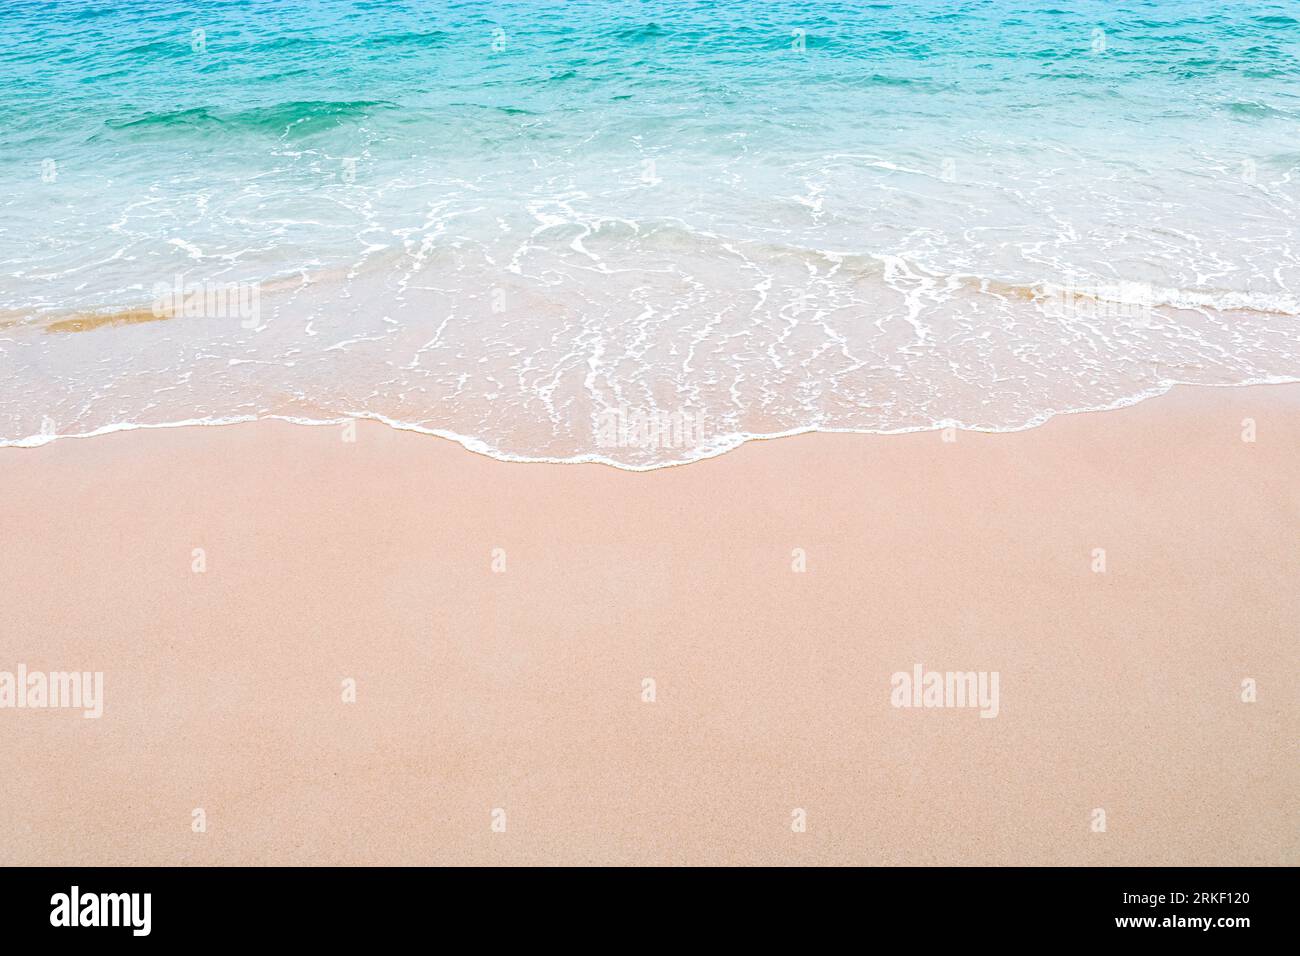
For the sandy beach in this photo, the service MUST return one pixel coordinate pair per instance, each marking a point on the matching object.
(499, 622)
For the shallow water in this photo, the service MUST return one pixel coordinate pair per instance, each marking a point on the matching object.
(640, 232)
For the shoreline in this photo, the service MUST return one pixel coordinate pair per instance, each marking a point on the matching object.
(476, 446)
(498, 625)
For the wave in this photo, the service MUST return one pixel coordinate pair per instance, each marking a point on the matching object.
(645, 241)
(719, 445)
(645, 33)
(299, 117)
(1257, 110)
(415, 38)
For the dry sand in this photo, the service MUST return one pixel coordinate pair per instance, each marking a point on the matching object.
(522, 690)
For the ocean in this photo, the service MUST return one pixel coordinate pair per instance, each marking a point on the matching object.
(640, 233)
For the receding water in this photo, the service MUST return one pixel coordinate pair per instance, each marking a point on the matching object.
(640, 232)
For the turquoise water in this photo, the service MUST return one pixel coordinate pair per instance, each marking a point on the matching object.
(508, 222)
